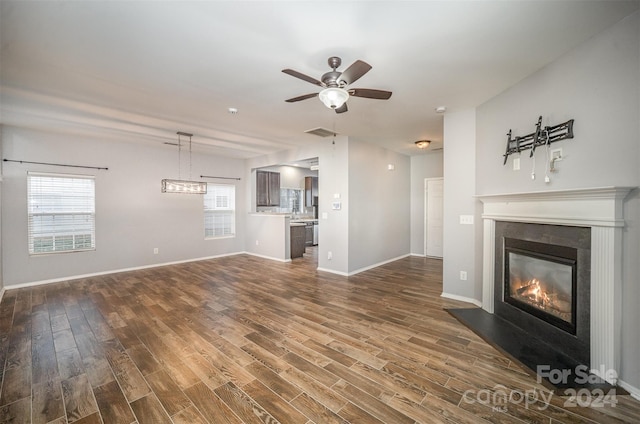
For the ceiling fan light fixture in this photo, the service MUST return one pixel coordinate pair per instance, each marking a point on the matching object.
(333, 97)
(423, 144)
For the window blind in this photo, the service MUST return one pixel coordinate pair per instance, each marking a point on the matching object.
(61, 212)
(219, 211)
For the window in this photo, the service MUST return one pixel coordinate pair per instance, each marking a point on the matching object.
(220, 211)
(61, 213)
(291, 200)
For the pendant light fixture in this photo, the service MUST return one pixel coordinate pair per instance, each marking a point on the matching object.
(180, 185)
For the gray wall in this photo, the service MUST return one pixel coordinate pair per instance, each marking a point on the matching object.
(379, 213)
(373, 223)
(598, 85)
(429, 165)
(1, 164)
(459, 244)
(132, 216)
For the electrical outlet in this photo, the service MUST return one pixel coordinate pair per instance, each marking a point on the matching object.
(516, 164)
(329, 255)
(463, 275)
(257, 243)
(155, 250)
(556, 154)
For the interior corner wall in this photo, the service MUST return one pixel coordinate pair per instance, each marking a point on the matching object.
(598, 85)
(460, 241)
(424, 166)
(1, 279)
(132, 216)
(379, 214)
(333, 186)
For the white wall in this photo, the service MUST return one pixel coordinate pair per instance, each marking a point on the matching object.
(429, 165)
(598, 85)
(132, 216)
(459, 243)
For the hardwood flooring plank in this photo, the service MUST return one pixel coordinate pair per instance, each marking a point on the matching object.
(168, 392)
(129, 377)
(190, 415)
(78, 398)
(279, 385)
(276, 406)
(113, 405)
(18, 412)
(64, 340)
(143, 359)
(16, 384)
(353, 414)
(316, 411)
(148, 410)
(243, 406)
(210, 405)
(371, 404)
(322, 375)
(47, 404)
(315, 389)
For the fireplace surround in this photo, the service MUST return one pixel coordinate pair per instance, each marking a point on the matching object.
(600, 212)
(558, 258)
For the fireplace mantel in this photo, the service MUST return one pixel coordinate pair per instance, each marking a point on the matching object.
(601, 209)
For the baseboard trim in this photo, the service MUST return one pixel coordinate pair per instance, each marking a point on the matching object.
(633, 391)
(461, 299)
(358, 271)
(333, 271)
(267, 257)
(115, 271)
(2, 294)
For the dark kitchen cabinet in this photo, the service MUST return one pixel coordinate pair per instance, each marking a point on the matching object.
(297, 240)
(311, 191)
(267, 188)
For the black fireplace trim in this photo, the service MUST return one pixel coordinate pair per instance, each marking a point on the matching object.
(559, 254)
(578, 346)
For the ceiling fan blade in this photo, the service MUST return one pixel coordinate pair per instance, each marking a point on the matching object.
(303, 97)
(370, 93)
(354, 72)
(342, 109)
(302, 76)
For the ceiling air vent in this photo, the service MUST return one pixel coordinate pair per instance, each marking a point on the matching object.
(320, 132)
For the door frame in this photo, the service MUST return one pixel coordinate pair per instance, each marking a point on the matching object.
(426, 200)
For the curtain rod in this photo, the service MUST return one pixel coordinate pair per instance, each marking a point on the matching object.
(220, 178)
(55, 164)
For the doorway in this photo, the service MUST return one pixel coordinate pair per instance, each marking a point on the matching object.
(433, 217)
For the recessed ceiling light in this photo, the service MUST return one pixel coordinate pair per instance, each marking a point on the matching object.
(441, 109)
(233, 110)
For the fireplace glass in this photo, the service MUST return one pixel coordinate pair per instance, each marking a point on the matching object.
(540, 279)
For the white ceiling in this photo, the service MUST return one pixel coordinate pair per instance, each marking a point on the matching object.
(146, 69)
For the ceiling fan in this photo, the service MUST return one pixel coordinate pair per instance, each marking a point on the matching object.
(334, 83)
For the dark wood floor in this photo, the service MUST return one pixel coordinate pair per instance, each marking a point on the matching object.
(246, 340)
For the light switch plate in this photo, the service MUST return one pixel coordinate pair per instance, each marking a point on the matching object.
(466, 219)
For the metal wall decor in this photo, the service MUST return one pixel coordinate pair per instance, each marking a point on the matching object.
(540, 137)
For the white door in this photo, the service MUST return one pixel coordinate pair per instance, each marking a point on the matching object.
(433, 217)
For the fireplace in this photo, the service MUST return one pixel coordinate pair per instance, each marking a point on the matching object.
(541, 279)
(542, 283)
(599, 212)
